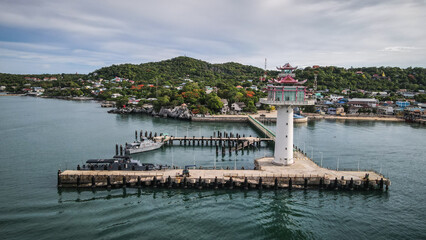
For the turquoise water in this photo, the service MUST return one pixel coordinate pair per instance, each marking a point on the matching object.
(40, 136)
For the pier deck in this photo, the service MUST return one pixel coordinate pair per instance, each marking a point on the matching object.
(304, 173)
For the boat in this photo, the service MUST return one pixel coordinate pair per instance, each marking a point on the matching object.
(124, 163)
(299, 118)
(142, 146)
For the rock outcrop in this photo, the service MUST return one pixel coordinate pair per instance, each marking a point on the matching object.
(181, 112)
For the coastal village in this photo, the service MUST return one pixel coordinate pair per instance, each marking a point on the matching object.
(213, 119)
(199, 98)
(289, 168)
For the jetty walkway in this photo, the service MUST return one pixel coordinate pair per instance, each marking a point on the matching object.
(303, 174)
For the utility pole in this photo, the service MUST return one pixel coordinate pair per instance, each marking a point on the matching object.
(156, 88)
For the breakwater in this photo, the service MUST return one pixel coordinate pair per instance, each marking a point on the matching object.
(304, 174)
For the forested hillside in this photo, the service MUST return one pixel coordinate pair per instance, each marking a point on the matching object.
(173, 72)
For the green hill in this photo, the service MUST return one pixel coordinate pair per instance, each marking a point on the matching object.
(176, 69)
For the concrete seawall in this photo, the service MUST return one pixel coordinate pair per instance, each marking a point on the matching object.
(304, 174)
(220, 119)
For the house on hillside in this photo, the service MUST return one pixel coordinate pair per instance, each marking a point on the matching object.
(356, 103)
(115, 95)
(225, 108)
(254, 87)
(238, 106)
(335, 98)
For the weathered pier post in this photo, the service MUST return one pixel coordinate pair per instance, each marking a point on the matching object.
(109, 183)
(139, 183)
(121, 150)
(78, 181)
(231, 183)
(116, 149)
(335, 184)
(200, 184)
(59, 179)
(245, 183)
(290, 184)
(136, 135)
(381, 184)
(367, 184)
(305, 185)
(259, 186)
(215, 183)
(93, 182)
(124, 182)
(169, 182)
(154, 182)
(276, 183)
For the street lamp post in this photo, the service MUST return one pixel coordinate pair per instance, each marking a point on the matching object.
(338, 160)
(312, 152)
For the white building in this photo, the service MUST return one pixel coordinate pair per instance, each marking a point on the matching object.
(335, 98)
(238, 106)
(115, 95)
(363, 102)
(225, 108)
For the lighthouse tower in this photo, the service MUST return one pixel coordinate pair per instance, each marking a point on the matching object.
(285, 93)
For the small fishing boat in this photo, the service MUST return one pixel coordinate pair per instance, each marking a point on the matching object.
(142, 146)
(299, 118)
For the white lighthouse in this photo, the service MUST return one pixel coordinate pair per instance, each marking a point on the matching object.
(285, 93)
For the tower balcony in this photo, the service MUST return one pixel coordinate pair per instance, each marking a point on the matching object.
(283, 95)
(302, 102)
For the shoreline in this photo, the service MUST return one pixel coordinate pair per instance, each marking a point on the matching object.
(270, 116)
(359, 118)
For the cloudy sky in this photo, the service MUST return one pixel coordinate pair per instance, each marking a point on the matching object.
(44, 36)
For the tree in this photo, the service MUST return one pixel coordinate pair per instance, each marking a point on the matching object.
(251, 107)
(309, 108)
(420, 98)
(164, 101)
(214, 102)
(121, 101)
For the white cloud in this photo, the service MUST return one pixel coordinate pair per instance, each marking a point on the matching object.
(399, 49)
(307, 32)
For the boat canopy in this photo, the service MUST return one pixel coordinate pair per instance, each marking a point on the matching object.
(111, 160)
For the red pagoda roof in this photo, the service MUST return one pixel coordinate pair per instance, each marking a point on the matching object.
(286, 66)
(287, 80)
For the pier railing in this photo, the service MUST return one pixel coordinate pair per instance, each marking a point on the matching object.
(261, 127)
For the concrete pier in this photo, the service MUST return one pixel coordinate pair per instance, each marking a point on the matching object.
(303, 174)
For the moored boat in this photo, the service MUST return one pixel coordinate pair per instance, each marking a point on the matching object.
(142, 146)
(299, 118)
(124, 163)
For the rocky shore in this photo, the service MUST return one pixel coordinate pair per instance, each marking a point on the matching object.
(182, 113)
